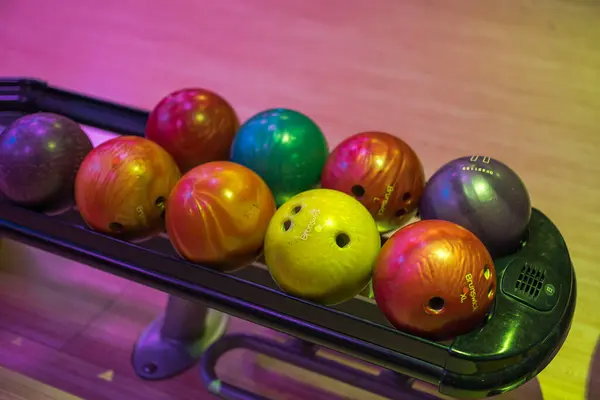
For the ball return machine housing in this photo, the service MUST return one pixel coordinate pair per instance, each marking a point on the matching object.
(528, 324)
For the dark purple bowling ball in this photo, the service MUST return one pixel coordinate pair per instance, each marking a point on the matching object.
(40, 155)
(483, 195)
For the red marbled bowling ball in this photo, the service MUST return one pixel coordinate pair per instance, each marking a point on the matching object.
(434, 279)
(382, 172)
(194, 125)
(218, 214)
(122, 187)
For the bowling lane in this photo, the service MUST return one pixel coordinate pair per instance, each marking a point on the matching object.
(15, 386)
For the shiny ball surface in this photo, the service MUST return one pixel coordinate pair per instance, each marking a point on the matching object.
(321, 245)
(434, 279)
(218, 214)
(382, 172)
(123, 185)
(285, 147)
(194, 125)
(483, 195)
(40, 155)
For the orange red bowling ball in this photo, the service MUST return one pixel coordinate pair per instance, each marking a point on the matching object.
(434, 279)
(218, 214)
(122, 186)
(382, 172)
(194, 125)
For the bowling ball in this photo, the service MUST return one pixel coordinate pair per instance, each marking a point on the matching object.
(122, 187)
(321, 245)
(218, 215)
(483, 195)
(382, 172)
(434, 279)
(286, 148)
(194, 125)
(40, 155)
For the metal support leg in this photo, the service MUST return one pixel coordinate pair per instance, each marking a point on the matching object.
(174, 342)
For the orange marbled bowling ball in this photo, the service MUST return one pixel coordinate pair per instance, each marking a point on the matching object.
(218, 215)
(434, 279)
(382, 172)
(122, 186)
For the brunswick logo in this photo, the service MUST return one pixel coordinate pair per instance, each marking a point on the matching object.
(311, 224)
(386, 198)
(469, 291)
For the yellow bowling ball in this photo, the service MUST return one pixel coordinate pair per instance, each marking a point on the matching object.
(321, 245)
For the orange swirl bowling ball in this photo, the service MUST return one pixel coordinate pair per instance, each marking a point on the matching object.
(194, 125)
(434, 279)
(122, 186)
(218, 215)
(382, 172)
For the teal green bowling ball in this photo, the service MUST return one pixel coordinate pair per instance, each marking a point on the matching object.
(285, 147)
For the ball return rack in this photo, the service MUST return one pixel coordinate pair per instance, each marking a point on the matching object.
(528, 324)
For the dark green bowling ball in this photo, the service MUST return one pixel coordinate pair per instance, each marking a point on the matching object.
(285, 147)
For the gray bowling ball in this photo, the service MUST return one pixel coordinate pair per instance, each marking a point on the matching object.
(40, 155)
(483, 195)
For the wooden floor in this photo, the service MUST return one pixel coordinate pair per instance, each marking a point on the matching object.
(517, 80)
